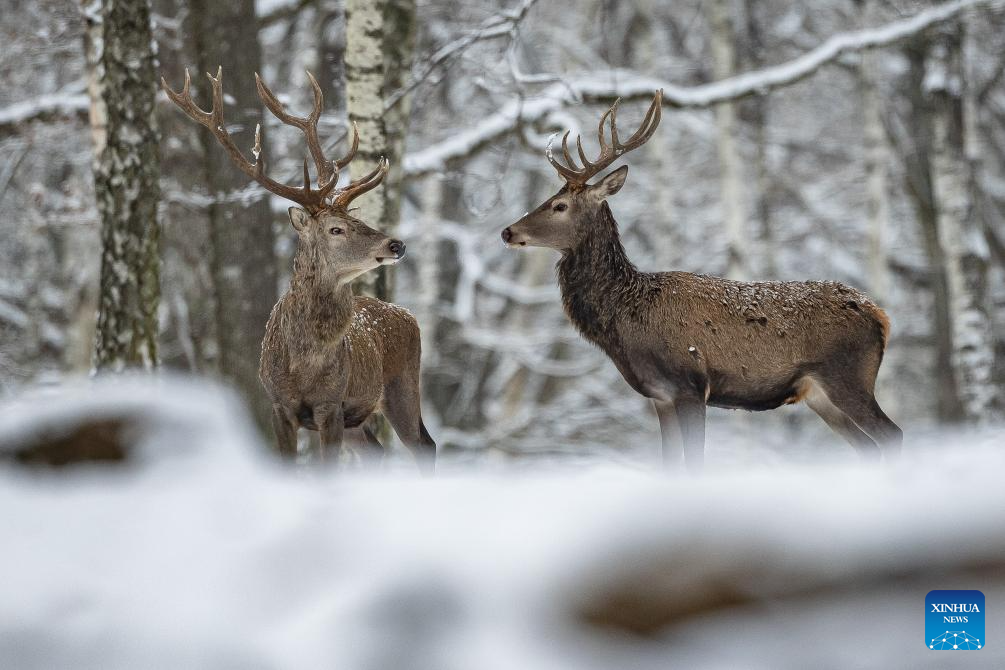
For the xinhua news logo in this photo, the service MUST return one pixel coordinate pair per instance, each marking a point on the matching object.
(954, 620)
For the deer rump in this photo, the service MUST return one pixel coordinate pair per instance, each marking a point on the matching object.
(753, 346)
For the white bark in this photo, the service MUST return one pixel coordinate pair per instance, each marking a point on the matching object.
(876, 166)
(731, 179)
(364, 59)
(960, 232)
(428, 279)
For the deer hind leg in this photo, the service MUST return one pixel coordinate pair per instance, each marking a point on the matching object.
(285, 428)
(859, 405)
(839, 422)
(365, 443)
(401, 407)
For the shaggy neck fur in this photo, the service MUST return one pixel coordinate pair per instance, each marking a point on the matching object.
(323, 301)
(598, 281)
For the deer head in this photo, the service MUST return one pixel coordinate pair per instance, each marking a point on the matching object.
(564, 218)
(336, 241)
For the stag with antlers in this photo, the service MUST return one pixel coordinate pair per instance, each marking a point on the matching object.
(329, 358)
(688, 341)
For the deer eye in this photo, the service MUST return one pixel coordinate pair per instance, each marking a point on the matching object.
(560, 207)
(336, 231)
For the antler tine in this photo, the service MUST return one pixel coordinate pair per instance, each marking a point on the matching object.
(608, 152)
(308, 125)
(360, 186)
(648, 125)
(565, 152)
(345, 160)
(582, 154)
(214, 121)
(185, 102)
(328, 170)
(600, 130)
(569, 174)
(614, 124)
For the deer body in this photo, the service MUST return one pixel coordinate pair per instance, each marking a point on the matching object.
(329, 358)
(688, 341)
(739, 345)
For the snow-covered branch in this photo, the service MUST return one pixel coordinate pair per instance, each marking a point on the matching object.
(70, 101)
(273, 11)
(628, 85)
(500, 25)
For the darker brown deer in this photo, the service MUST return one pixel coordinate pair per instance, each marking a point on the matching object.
(329, 358)
(688, 341)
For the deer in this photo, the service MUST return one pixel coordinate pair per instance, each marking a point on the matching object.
(329, 359)
(689, 341)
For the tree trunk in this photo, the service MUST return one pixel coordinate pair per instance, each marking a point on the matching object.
(960, 230)
(876, 162)
(380, 36)
(918, 174)
(756, 111)
(723, 66)
(122, 88)
(242, 240)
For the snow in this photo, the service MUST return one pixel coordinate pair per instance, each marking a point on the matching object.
(66, 103)
(204, 553)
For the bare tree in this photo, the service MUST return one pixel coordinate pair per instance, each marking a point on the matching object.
(876, 161)
(379, 40)
(121, 84)
(960, 230)
(242, 240)
(734, 210)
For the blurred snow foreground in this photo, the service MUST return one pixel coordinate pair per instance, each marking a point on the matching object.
(185, 545)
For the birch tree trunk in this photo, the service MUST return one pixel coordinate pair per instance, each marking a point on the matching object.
(876, 162)
(757, 111)
(242, 240)
(916, 156)
(960, 230)
(121, 84)
(723, 66)
(380, 35)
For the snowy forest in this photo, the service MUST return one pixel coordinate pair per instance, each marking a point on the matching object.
(857, 141)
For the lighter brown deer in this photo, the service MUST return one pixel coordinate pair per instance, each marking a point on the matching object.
(688, 341)
(329, 358)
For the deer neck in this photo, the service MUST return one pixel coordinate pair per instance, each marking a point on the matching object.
(597, 279)
(323, 301)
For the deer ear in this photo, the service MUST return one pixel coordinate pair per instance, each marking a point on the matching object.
(298, 217)
(610, 184)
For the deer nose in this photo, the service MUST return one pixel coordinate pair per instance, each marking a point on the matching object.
(396, 247)
(507, 235)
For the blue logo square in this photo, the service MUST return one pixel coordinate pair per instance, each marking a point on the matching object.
(954, 620)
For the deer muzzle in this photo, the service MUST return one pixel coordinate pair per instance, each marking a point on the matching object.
(396, 251)
(513, 239)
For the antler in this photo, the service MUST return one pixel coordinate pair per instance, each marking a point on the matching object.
(328, 170)
(609, 153)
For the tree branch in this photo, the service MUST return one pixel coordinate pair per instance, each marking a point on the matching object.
(629, 85)
(66, 103)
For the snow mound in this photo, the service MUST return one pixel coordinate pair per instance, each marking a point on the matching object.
(202, 553)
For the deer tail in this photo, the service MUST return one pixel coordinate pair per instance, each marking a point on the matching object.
(882, 322)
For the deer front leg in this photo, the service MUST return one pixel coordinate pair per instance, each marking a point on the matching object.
(331, 424)
(691, 417)
(672, 445)
(285, 428)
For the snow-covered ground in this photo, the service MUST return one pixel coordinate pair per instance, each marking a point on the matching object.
(202, 552)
